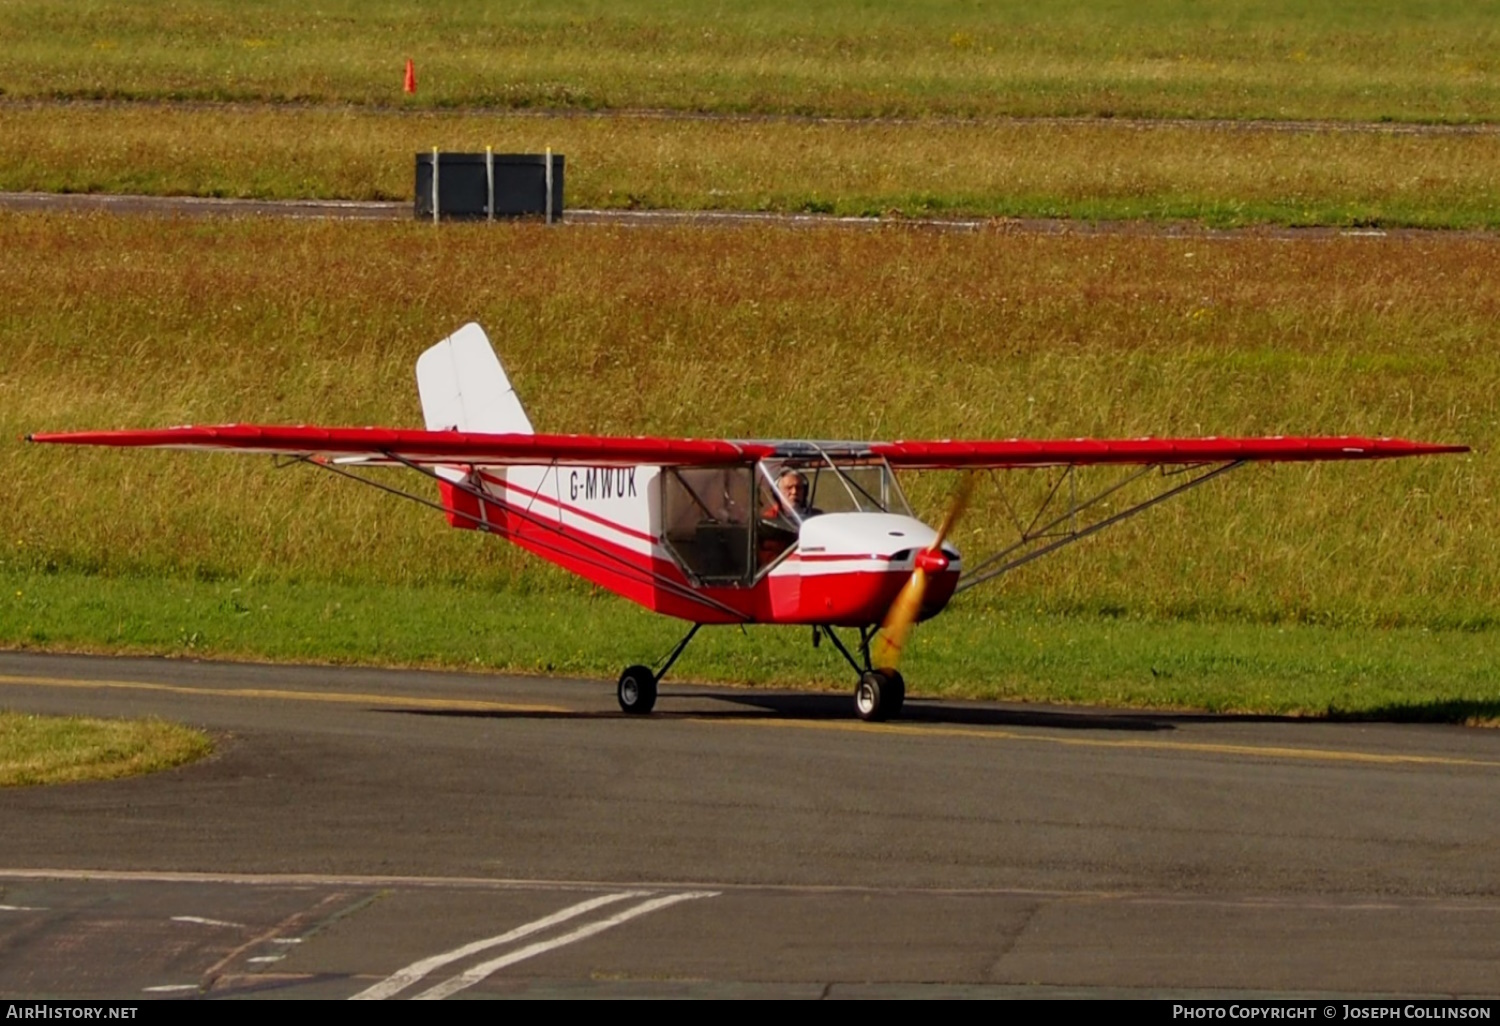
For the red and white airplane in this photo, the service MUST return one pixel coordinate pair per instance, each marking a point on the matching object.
(715, 531)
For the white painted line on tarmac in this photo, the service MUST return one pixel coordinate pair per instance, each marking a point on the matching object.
(403, 978)
(472, 976)
(266, 958)
(169, 988)
(201, 921)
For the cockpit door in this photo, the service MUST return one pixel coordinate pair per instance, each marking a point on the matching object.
(708, 520)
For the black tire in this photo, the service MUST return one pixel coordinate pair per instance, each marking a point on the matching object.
(637, 690)
(895, 698)
(872, 696)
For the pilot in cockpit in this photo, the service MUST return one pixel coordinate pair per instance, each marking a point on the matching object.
(781, 518)
(792, 496)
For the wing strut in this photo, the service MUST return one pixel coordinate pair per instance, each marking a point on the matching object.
(1037, 541)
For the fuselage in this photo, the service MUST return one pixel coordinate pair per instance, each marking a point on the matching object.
(711, 545)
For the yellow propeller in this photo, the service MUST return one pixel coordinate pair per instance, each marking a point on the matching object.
(886, 652)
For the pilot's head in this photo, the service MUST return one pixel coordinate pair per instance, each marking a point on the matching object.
(792, 484)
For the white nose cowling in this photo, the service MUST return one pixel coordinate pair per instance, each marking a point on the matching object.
(886, 652)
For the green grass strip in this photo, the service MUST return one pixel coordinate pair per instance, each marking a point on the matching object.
(1409, 674)
(1397, 60)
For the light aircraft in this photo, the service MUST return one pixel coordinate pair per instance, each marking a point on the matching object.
(716, 531)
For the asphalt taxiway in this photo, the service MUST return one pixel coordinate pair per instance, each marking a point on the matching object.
(394, 834)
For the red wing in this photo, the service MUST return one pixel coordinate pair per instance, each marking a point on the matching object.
(398, 445)
(427, 448)
(1021, 452)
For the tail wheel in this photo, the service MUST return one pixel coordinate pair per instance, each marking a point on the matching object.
(879, 695)
(637, 690)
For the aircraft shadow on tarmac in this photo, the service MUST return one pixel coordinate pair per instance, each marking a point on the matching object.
(800, 705)
(1469, 711)
(809, 707)
(837, 707)
(819, 707)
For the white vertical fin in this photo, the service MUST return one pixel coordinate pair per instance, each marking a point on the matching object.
(464, 388)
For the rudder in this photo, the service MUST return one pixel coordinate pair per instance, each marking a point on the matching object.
(464, 388)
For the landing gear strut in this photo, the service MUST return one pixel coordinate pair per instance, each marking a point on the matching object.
(880, 694)
(636, 691)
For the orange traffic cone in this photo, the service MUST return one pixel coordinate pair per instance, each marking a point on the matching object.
(410, 85)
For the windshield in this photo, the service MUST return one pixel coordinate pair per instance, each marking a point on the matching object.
(799, 488)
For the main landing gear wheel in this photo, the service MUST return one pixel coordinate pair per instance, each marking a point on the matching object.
(637, 690)
(879, 695)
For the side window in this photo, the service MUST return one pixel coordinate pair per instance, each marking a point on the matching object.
(707, 516)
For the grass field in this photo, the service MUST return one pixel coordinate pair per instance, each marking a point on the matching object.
(757, 333)
(1406, 60)
(1229, 175)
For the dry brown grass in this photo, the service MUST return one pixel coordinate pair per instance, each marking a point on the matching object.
(110, 323)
